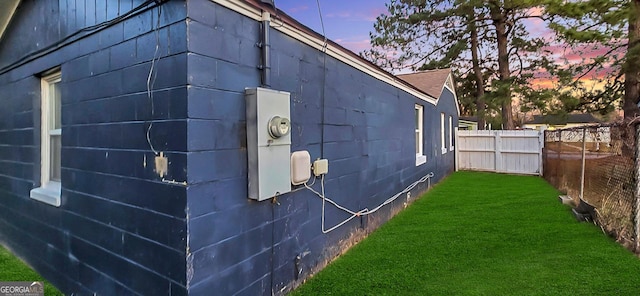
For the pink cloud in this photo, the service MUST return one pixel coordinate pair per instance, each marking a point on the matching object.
(356, 44)
(368, 16)
(298, 9)
(373, 13)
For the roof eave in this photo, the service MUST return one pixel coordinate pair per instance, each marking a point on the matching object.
(7, 10)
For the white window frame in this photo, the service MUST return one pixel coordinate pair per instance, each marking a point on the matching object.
(49, 190)
(442, 131)
(451, 148)
(419, 131)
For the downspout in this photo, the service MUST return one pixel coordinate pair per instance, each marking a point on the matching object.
(265, 46)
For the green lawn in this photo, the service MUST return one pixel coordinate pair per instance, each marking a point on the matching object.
(14, 270)
(483, 234)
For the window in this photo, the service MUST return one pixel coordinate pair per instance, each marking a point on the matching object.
(51, 144)
(420, 157)
(451, 135)
(442, 136)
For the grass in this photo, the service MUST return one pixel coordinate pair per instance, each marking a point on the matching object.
(14, 270)
(483, 234)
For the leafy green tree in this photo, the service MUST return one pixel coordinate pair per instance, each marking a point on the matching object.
(488, 37)
(613, 28)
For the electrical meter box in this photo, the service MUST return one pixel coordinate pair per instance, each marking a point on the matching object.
(268, 142)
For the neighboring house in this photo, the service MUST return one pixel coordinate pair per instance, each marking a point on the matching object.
(126, 143)
(551, 122)
(468, 123)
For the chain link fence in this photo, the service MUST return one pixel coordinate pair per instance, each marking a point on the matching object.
(596, 164)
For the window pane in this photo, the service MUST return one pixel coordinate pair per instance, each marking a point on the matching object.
(55, 106)
(56, 147)
(417, 118)
(418, 143)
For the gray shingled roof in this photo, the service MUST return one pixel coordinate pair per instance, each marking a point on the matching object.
(430, 81)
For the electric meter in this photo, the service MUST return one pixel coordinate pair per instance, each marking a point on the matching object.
(279, 126)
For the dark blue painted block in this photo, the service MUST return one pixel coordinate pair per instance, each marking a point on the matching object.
(346, 166)
(235, 77)
(257, 214)
(216, 165)
(123, 54)
(172, 12)
(249, 51)
(171, 71)
(90, 206)
(96, 233)
(132, 275)
(168, 135)
(134, 78)
(216, 134)
(215, 227)
(99, 283)
(178, 37)
(210, 263)
(163, 229)
(281, 43)
(305, 113)
(260, 287)
(237, 277)
(112, 9)
(338, 133)
(339, 150)
(154, 44)
(202, 71)
(177, 290)
(16, 169)
(216, 104)
(202, 11)
(77, 68)
(146, 252)
(36, 226)
(139, 24)
(214, 42)
(152, 195)
(111, 35)
(217, 196)
(228, 21)
(335, 116)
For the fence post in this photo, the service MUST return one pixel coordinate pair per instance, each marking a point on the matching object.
(584, 154)
(456, 151)
(541, 140)
(498, 156)
(636, 209)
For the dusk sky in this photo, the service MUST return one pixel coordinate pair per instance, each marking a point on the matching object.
(347, 22)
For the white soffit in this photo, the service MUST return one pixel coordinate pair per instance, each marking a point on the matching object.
(7, 9)
(317, 43)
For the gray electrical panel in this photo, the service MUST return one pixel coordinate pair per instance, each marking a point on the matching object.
(268, 142)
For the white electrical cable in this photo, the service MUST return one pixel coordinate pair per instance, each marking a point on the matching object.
(364, 211)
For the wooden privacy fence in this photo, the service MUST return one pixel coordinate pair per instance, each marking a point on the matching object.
(503, 151)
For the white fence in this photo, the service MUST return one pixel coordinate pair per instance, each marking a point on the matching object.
(513, 151)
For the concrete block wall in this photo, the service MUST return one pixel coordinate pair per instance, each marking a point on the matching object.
(120, 229)
(118, 216)
(365, 128)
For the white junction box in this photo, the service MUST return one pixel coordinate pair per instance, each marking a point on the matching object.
(268, 142)
(320, 167)
(300, 167)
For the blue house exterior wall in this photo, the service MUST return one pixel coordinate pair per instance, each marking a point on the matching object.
(119, 230)
(239, 246)
(122, 228)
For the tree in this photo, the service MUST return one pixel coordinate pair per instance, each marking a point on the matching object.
(434, 34)
(612, 25)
